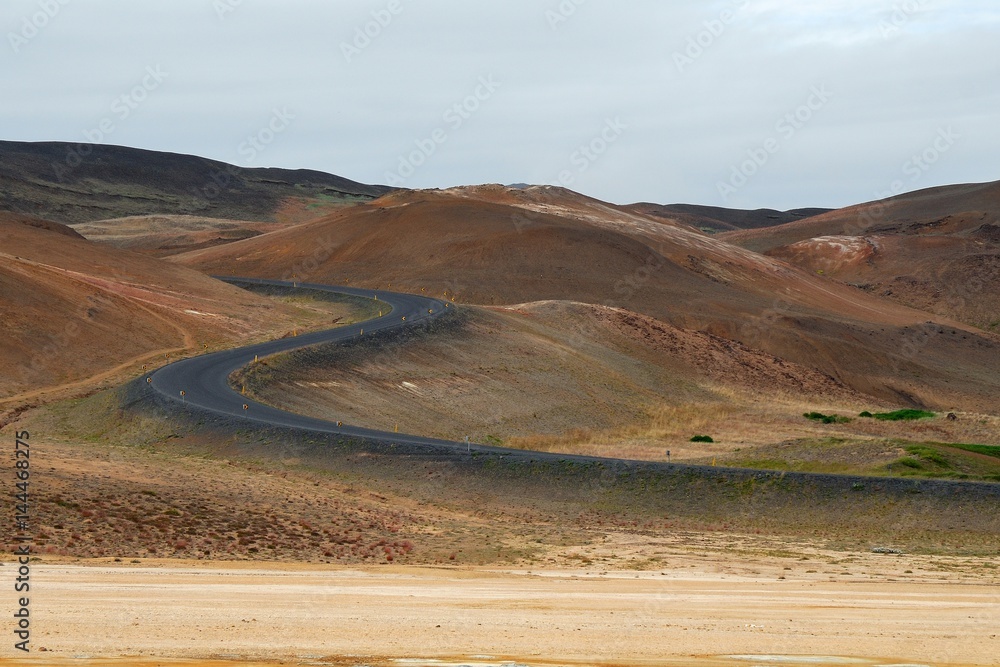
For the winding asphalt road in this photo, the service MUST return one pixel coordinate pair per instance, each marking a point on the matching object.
(204, 380)
(205, 383)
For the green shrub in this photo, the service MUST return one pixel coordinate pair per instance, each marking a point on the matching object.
(702, 438)
(866, 414)
(826, 419)
(903, 415)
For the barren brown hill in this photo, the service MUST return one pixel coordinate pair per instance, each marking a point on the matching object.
(887, 216)
(497, 246)
(937, 250)
(516, 372)
(39, 223)
(73, 309)
(619, 384)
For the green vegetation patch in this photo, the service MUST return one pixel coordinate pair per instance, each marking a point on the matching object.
(886, 457)
(949, 461)
(988, 450)
(826, 419)
(930, 455)
(702, 438)
(902, 415)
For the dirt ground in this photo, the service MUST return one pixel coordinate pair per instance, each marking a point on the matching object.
(698, 610)
(228, 579)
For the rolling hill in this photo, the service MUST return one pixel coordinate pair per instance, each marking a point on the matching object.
(501, 246)
(717, 219)
(74, 310)
(936, 249)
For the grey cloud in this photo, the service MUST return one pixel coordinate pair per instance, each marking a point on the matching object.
(561, 77)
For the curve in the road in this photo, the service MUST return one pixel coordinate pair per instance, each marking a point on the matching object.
(203, 381)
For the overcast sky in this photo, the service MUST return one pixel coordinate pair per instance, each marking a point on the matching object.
(743, 103)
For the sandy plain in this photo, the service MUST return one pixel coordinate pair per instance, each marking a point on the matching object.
(701, 609)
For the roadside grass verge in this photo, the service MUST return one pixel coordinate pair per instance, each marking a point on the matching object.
(986, 450)
(344, 309)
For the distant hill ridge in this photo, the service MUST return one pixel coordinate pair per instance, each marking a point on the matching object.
(73, 183)
(718, 219)
(76, 183)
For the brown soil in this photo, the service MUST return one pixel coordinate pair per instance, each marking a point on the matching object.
(150, 553)
(618, 385)
(493, 245)
(517, 371)
(611, 332)
(921, 207)
(77, 312)
(937, 250)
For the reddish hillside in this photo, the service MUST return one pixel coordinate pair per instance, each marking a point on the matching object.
(73, 309)
(39, 223)
(495, 245)
(887, 216)
(938, 249)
